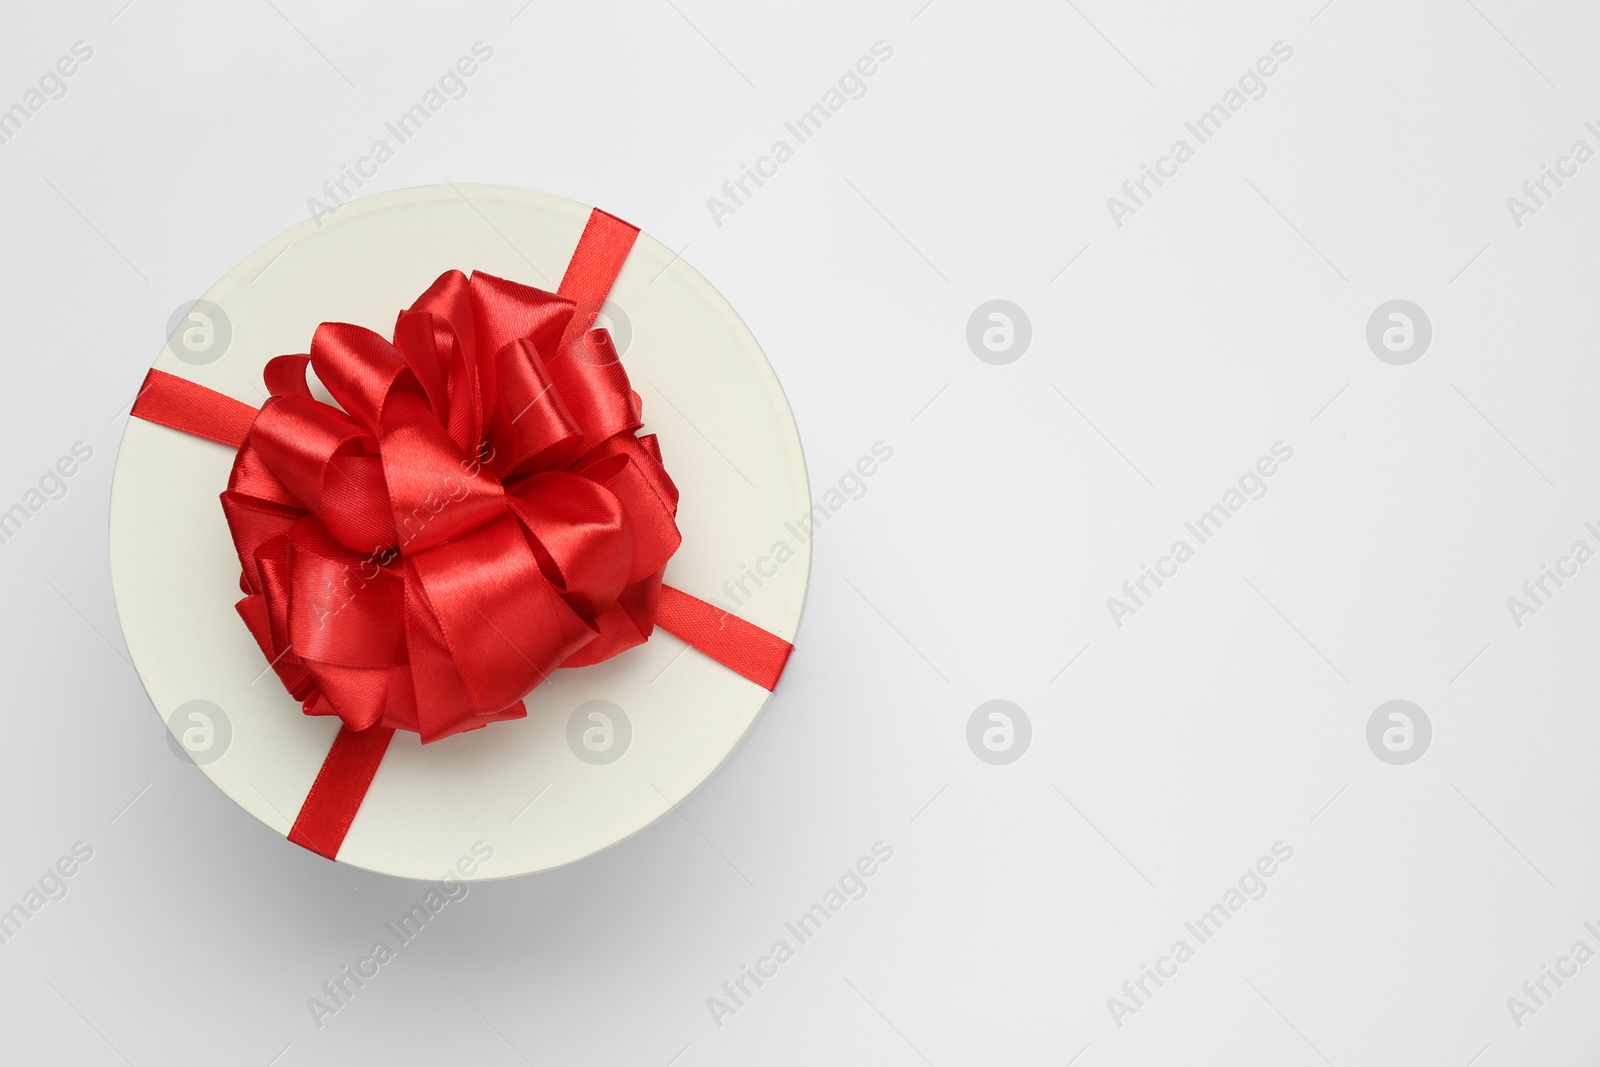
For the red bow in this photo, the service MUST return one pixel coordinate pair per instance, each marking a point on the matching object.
(478, 511)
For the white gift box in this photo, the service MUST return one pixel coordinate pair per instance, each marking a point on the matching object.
(604, 750)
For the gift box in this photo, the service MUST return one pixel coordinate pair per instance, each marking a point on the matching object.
(457, 521)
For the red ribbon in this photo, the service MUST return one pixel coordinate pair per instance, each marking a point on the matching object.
(478, 511)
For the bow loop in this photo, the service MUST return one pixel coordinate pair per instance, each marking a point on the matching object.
(326, 464)
(581, 535)
(532, 428)
(589, 374)
(506, 311)
(358, 367)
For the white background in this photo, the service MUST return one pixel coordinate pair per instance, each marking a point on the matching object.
(1168, 354)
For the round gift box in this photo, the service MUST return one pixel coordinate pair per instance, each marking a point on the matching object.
(604, 750)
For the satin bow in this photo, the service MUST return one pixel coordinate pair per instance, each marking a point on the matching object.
(480, 512)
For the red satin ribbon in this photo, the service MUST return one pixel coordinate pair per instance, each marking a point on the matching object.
(478, 511)
(340, 787)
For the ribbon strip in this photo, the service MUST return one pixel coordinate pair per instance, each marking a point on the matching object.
(594, 265)
(738, 645)
(341, 786)
(188, 406)
(353, 760)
